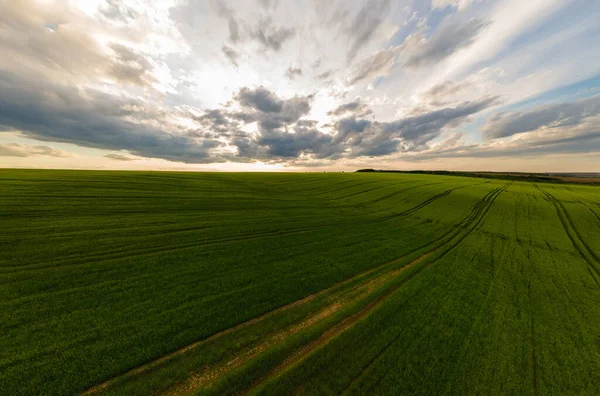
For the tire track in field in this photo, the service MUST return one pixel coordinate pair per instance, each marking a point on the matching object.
(165, 358)
(591, 210)
(471, 222)
(578, 243)
(116, 254)
(361, 192)
(490, 197)
(207, 377)
(128, 252)
(395, 193)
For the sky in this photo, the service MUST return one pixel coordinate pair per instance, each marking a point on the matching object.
(300, 85)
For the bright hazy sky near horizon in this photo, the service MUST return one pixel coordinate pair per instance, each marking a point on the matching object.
(501, 85)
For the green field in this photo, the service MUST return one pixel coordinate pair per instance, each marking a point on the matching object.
(372, 283)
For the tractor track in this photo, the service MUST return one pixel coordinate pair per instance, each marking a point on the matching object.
(588, 255)
(128, 252)
(448, 241)
(471, 222)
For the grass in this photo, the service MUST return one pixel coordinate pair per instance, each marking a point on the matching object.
(377, 283)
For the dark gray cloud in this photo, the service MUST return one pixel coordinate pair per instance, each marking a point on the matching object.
(260, 99)
(555, 115)
(293, 72)
(367, 138)
(231, 54)
(284, 144)
(48, 112)
(353, 137)
(283, 135)
(22, 150)
(269, 110)
(424, 127)
(350, 130)
(356, 108)
(365, 24)
(446, 40)
(270, 36)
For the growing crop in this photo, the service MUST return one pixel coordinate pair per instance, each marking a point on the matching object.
(366, 283)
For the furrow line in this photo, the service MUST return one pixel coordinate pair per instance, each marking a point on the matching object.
(349, 321)
(205, 377)
(578, 243)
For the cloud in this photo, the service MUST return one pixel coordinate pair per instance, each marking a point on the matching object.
(224, 11)
(365, 24)
(284, 144)
(234, 30)
(379, 64)
(22, 150)
(90, 118)
(270, 36)
(406, 134)
(121, 157)
(445, 41)
(260, 99)
(356, 108)
(580, 139)
(267, 4)
(324, 75)
(231, 55)
(459, 4)
(547, 116)
(353, 137)
(292, 73)
(442, 91)
(27, 45)
(441, 95)
(115, 10)
(131, 67)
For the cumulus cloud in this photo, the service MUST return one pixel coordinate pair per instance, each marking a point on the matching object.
(22, 150)
(147, 80)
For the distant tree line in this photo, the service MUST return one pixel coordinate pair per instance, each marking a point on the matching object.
(532, 177)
